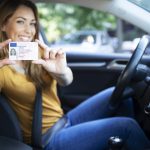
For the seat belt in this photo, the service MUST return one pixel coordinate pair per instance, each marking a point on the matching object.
(37, 121)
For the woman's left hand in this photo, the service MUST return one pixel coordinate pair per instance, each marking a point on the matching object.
(54, 61)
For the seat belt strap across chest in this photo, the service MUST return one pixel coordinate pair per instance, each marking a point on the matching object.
(37, 120)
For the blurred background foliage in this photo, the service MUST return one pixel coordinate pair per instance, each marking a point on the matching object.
(60, 19)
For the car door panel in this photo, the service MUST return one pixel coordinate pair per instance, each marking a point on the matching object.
(92, 73)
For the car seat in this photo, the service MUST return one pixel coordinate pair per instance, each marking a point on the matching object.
(10, 131)
(9, 125)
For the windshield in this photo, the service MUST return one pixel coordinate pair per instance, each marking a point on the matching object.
(142, 3)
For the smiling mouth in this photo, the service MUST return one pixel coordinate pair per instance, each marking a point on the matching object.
(25, 38)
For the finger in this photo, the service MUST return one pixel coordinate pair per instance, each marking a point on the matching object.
(6, 62)
(45, 48)
(3, 44)
(41, 44)
(46, 53)
(61, 53)
(52, 54)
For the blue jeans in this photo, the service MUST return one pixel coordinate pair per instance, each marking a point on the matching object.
(91, 124)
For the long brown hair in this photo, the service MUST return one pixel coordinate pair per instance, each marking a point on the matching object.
(34, 72)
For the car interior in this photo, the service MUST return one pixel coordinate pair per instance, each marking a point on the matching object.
(94, 72)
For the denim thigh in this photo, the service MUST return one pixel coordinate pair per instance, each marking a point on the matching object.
(97, 107)
(94, 135)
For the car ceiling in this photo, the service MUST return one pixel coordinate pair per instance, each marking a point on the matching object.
(120, 8)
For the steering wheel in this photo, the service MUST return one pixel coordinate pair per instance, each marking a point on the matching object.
(128, 73)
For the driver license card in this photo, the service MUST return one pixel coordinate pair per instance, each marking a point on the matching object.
(23, 50)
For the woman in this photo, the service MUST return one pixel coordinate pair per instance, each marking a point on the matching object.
(86, 127)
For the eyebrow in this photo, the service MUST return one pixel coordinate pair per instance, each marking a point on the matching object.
(24, 18)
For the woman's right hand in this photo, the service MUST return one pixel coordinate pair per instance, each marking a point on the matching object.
(5, 61)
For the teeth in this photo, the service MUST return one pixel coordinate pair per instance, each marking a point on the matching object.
(23, 38)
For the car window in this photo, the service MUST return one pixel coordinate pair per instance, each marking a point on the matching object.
(98, 32)
(77, 39)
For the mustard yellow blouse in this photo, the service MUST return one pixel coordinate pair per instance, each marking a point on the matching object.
(21, 94)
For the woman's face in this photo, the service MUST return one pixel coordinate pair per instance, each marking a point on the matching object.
(21, 25)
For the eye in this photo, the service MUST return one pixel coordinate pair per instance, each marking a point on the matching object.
(33, 24)
(20, 21)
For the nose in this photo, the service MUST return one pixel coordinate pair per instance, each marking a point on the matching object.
(27, 28)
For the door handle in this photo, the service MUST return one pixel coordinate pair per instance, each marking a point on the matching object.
(117, 64)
